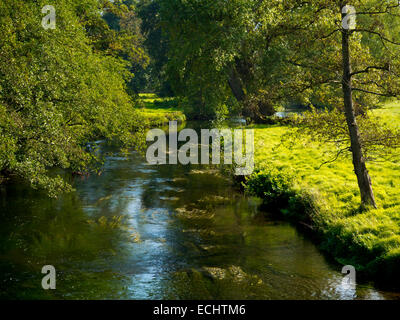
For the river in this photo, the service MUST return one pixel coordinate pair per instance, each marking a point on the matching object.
(159, 232)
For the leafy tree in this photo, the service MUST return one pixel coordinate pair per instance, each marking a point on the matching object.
(57, 93)
(206, 38)
(359, 63)
(117, 32)
(154, 77)
(238, 49)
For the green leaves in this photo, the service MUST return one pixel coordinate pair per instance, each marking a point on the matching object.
(57, 93)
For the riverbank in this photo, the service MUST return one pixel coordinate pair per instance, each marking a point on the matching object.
(326, 199)
(159, 232)
(159, 111)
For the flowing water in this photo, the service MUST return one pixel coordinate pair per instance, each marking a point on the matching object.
(158, 232)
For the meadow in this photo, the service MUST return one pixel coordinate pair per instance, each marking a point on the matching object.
(293, 180)
(159, 111)
(329, 198)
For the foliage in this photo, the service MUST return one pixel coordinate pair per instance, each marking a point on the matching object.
(272, 185)
(341, 57)
(118, 32)
(379, 140)
(57, 93)
(154, 77)
(199, 66)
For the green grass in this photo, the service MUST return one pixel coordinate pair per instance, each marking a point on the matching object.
(389, 113)
(368, 240)
(159, 111)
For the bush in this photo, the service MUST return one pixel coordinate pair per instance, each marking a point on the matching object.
(274, 187)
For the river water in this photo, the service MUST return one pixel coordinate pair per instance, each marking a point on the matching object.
(159, 232)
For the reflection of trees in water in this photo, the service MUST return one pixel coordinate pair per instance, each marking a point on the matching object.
(37, 231)
(179, 253)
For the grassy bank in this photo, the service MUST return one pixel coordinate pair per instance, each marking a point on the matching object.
(324, 198)
(327, 199)
(159, 111)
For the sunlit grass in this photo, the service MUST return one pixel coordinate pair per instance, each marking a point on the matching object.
(389, 113)
(334, 189)
(159, 111)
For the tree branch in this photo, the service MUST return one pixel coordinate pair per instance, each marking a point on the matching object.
(329, 34)
(378, 34)
(379, 12)
(334, 159)
(375, 93)
(366, 70)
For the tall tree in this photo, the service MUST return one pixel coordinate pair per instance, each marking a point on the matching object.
(363, 60)
(363, 178)
(212, 52)
(58, 93)
(118, 32)
(240, 51)
(154, 77)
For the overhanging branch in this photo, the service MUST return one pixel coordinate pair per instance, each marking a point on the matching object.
(366, 70)
(379, 35)
(375, 93)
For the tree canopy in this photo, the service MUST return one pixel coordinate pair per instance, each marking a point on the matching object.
(59, 89)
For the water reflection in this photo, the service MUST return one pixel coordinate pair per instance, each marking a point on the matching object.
(154, 232)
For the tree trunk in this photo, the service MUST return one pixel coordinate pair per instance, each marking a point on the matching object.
(363, 178)
(236, 85)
